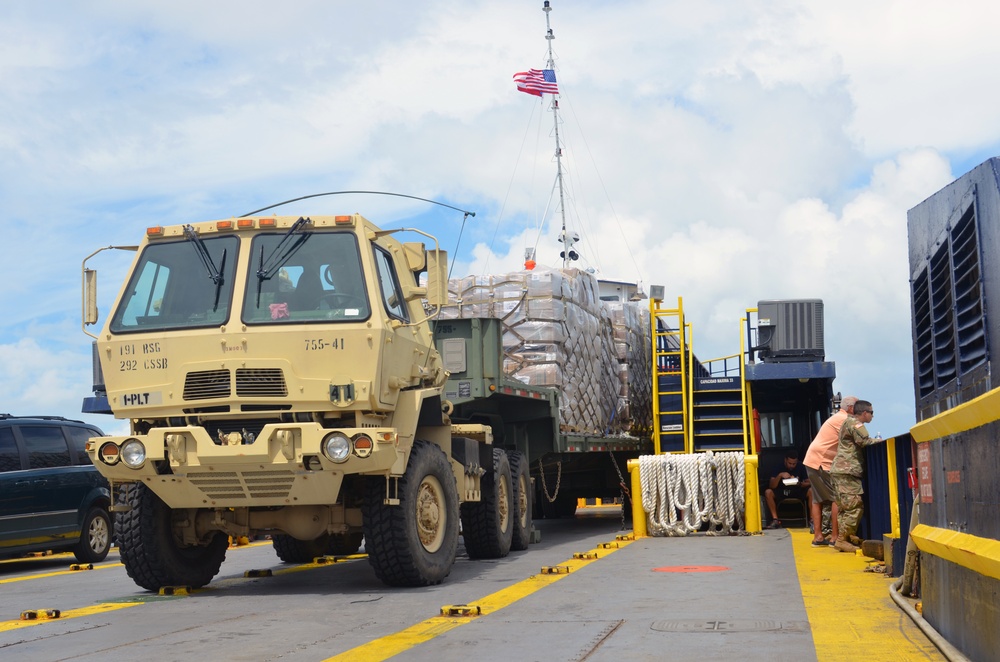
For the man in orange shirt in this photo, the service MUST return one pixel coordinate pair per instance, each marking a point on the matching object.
(818, 461)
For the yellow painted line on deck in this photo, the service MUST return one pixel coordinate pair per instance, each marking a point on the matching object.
(7, 626)
(393, 644)
(849, 608)
(56, 573)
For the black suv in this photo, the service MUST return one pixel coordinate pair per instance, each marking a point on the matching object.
(51, 496)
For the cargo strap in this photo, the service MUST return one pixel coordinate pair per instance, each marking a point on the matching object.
(680, 493)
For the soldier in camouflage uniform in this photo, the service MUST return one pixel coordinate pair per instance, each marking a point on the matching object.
(846, 472)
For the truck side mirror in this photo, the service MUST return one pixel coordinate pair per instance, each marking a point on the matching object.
(437, 277)
(89, 296)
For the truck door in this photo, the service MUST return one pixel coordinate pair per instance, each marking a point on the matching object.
(400, 354)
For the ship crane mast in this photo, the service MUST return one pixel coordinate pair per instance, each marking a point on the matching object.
(569, 239)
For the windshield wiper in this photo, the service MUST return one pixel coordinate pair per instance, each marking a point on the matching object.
(267, 267)
(215, 273)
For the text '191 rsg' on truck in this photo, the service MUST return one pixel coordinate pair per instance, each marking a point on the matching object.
(280, 376)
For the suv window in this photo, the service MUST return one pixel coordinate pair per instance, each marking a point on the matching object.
(10, 458)
(78, 441)
(46, 446)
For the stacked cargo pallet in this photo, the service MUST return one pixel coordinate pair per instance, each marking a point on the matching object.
(557, 332)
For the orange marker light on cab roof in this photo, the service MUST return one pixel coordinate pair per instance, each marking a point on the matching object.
(223, 225)
(244, 223)
(343, 220)
(155, 231)
(267, 223)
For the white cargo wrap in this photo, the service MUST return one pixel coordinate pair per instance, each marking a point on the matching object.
(557, 332)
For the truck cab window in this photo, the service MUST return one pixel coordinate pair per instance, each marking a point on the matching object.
(318, 280)
(392, 294)
(170, 287)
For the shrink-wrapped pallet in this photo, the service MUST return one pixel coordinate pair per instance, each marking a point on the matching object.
(558, 333)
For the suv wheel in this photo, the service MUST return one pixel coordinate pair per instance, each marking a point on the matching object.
(95, 537)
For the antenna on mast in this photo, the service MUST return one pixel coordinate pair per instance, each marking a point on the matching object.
(569, 240)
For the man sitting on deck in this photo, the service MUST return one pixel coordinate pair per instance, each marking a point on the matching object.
(790, 483)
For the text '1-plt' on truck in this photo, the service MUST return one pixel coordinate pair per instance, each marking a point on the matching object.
(282, 375)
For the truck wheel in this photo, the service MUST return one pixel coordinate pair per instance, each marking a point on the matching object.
(95, 537)
(488, 525)
(293, 550)
(344, 544)
(152, 555)
(521, 480)
(414, 543)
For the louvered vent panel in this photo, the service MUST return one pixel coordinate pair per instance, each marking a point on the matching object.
(922, 335)
(970, 317)
(942, 316)
(235, 485)
(207, 385)
(261, 383)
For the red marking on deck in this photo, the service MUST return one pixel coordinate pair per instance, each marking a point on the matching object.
(691, 568)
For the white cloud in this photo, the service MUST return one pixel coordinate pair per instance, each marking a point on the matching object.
(730, 151)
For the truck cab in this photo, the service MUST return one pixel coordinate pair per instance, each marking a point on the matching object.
(279, 375)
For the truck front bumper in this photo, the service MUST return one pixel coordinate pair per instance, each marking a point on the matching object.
(285, 465)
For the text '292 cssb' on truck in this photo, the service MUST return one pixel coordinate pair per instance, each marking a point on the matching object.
(280, 375)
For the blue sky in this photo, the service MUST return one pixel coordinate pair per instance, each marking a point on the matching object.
(730, 151)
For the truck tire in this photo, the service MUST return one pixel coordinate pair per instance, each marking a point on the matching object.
(345, 544)
(95, 536)
(293, 550)
(521, 480)
(152, 556)
(488, 526)
(414, 543)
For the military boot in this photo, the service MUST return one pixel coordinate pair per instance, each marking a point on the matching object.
(854, 540)
(843, 546)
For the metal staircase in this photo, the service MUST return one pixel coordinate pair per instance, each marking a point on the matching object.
(696, 406)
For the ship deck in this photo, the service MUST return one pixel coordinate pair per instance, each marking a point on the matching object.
(580, 593)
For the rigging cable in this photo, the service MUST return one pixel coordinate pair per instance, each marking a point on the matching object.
(606, 195)
(510, 185)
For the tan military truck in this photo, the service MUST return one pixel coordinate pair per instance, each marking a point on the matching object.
(280, 377)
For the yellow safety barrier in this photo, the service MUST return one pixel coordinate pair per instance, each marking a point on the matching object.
(751, 500)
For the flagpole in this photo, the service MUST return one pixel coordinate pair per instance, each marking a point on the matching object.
(550, 64)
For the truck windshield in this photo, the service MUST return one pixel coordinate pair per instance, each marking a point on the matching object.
(171, 289)
(321, 281)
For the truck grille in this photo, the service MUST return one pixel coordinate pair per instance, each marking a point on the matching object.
(261, 383)
(250, 383)
(243, 485)
(207, 385)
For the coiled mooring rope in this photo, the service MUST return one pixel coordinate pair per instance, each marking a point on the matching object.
(680, 493)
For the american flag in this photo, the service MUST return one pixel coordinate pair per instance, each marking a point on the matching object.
(537, 82)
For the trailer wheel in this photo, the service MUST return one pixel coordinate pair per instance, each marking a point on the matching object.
(488, 526)
(521, 480)
(95, 536)
(414, 543)
(152, 555)
(293, 550)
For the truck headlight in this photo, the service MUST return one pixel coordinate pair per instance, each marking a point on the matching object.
(337, 446)
(133, 453)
